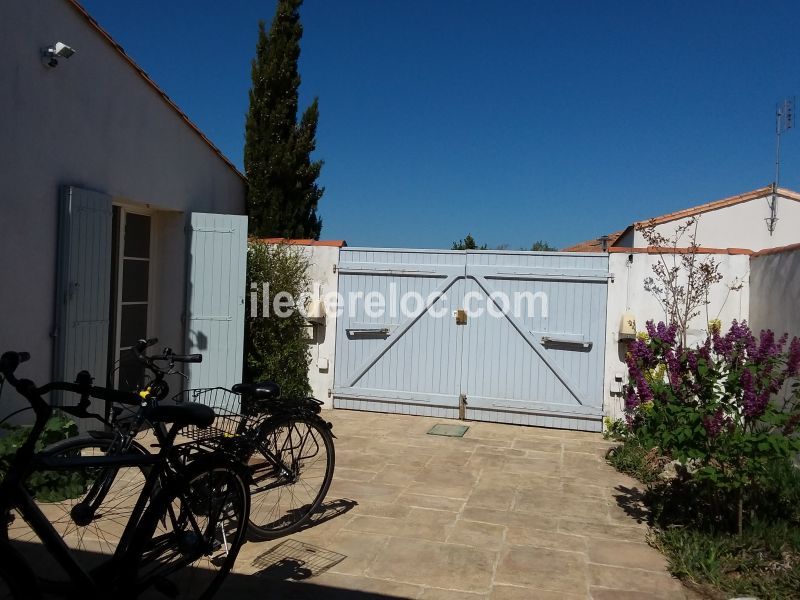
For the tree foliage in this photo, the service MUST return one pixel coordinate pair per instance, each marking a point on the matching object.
(282, 195)
(542, 246)
(468, 243)
(276, 348)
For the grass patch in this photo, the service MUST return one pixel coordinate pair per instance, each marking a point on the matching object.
(633, 459)
(763, 562)
(692, 528)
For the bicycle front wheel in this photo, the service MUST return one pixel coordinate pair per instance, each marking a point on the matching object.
(190, 535)
(292, 468)
(88, 506)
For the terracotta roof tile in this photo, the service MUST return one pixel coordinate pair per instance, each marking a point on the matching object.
(717, 204)
(670, 250)
(301, 242)
(594, 245)
(778, 250)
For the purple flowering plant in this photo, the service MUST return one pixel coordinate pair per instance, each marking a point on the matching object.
(726, 408)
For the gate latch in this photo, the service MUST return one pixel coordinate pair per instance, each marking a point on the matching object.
(460, 316)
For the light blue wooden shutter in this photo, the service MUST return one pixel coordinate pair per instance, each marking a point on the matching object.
(215, 298)
(83, 286)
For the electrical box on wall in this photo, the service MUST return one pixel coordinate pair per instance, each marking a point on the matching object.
(627, 326)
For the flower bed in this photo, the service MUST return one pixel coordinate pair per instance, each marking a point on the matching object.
(723, 417)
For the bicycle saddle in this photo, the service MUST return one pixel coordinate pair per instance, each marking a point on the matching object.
(260, 390)
(189, 413)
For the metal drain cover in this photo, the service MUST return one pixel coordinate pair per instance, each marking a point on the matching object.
(448, 430)
(295, 560)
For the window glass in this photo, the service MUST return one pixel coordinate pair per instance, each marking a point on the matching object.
(133, 325)
(137, 235)
(134, 280)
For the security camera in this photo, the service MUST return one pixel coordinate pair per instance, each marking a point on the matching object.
(62, 50)
(51, 54)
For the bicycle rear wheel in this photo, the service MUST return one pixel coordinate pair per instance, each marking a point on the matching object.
(190, 535)
(292, 468)
(88, 506)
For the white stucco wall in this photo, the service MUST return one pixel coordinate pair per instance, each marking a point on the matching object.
(739, 226)
(92, 122)
(626, 292)
(324, 261)
(775, 292)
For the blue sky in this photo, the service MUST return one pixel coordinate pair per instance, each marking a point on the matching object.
(515, 122)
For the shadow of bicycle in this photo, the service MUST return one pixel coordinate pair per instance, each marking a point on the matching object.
(326, 511)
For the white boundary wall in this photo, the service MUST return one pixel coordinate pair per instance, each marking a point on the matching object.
(775, 291)
(626, 292)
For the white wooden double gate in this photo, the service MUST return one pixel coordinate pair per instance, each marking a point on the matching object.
(510, 337)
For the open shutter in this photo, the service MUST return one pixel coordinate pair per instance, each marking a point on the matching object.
(83, 284)
(215, 298)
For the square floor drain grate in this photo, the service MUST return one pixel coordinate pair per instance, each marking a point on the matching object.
(296, 560)
(449, 430)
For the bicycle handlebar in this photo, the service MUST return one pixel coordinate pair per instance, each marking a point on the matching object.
(180, 358)
(9, 362)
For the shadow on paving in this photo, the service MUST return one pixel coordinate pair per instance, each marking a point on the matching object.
(252, 586)
(268, 584)
(631, 500)
(279, 569)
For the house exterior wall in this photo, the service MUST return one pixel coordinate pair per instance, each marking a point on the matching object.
(91, 122)
(729, 299)
(775, 292)
(738, 226)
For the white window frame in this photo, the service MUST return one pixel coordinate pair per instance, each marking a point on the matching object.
(124, 210)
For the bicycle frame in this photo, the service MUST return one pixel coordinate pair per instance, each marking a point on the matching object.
(15, 496)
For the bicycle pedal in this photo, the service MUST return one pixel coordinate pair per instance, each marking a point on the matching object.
(166, 587)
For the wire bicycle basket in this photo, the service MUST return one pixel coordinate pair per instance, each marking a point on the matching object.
(229, 423)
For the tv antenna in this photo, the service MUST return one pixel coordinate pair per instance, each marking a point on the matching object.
(784, 121)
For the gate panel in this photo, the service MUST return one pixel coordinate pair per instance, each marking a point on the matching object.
(542, 362)
(393, 362)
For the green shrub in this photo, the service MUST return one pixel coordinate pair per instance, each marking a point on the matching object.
(276, 348)
(714, 409)
(615, 429)
(636, 460)
(46, 486)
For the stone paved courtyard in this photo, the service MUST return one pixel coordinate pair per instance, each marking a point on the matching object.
(504, 513)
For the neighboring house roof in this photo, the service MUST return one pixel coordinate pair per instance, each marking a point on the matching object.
(717, 204)
(151, 83)
(302, 242)
(594, 245)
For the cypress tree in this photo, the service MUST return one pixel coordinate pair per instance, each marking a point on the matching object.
(282, 192)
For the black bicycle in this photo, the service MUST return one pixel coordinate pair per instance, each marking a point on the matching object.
(285, 444)
(179, 534)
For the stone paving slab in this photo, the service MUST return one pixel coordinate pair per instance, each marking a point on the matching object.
(504, 513)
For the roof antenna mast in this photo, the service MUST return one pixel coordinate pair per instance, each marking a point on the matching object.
(784, 121)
